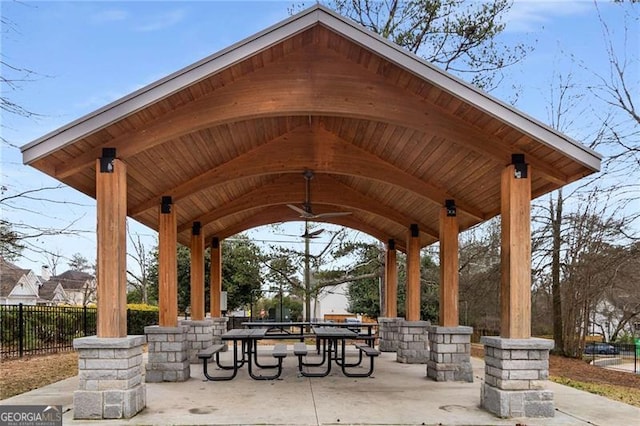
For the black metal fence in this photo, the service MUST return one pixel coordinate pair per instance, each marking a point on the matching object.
(617, 356)
(37, 330)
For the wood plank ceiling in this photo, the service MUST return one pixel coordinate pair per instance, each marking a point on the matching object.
(384, 143)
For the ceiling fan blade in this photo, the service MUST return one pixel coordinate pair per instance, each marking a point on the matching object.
(316, 233)
(310, 235)
(333, 214)
(303, 213)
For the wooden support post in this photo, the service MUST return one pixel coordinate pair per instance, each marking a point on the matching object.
(449, 230)
(515, 289)
(111, 197)
(391, 281)
(168, 264)
(216, 278)
(413, 275)
(197, 272)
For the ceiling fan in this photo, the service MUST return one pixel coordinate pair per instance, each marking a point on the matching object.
(306, 212)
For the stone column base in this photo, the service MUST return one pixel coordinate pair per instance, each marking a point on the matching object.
(505, 403)
(168, 354)
(515, 375)
(110, 373)
(388, 334)
(413, 342)
(219, 327)
(450, 355)
(199, 336)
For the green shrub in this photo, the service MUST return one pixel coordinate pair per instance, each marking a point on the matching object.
(140, 316)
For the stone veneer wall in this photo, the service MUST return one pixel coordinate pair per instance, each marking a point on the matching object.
(413, 342)
(218, 328)
(168, 354)
(450, 354)
(388, 334)
(199, 336)
(515, 375)
(110, 378)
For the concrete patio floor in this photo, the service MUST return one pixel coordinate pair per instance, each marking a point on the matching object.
(397, 394)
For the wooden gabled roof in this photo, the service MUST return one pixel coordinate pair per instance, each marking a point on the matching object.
(388, 136)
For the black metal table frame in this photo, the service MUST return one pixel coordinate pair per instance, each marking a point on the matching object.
(248, 341)
(333, 338)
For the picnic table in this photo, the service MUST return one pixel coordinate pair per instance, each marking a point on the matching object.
(296, 329)
(333, 341)
(245, 351)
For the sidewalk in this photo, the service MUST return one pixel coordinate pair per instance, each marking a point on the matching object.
(398, 394)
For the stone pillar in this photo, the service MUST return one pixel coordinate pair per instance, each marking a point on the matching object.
(413, 342)
(168, 354)
(388, 334)
(450, 355)
(110, 373)
(218, 328)
(515, 375)
(199, 336)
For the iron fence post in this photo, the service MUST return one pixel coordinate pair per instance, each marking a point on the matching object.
(20, 331)
(84, 320)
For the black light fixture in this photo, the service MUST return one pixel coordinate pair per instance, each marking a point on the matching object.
(520, 171)
(165, 205)
(215, 242)
(107, 159)
(392, 244)
(414, 230)
(450, 205)
(195, 228)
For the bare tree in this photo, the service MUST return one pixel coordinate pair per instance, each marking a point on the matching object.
(11, 79)
(479, 269)
(21, 235)
(458, 36)
(18, 236)
(53, 259)
(138, 274)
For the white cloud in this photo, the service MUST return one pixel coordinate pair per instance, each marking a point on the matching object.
(161, 21)
(530, 15)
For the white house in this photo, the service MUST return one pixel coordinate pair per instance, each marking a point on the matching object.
(332, 300)
(70, 288)
(18, 285)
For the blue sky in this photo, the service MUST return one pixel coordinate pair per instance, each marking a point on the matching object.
(88, 54)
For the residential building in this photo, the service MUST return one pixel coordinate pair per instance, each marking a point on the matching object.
(18, 285)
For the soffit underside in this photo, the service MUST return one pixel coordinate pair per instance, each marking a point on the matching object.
(354, 98)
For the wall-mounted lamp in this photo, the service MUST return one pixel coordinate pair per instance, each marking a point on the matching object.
(195, 229)
(392, 244)
(520, 171)
(215, 242)
(414, 230)
(165, 205)
(450, 205)
(107, 159)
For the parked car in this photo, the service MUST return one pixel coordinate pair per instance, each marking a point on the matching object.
(601, 348)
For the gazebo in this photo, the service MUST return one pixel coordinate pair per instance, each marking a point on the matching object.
(412, 153)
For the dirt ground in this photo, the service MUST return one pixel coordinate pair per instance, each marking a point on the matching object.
(579, 370)
(22, 375)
